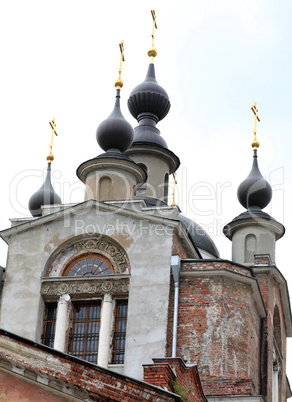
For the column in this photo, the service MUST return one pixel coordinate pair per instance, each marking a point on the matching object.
(61, 323)
(105, 330)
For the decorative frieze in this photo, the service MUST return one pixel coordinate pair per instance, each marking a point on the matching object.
(88, 287)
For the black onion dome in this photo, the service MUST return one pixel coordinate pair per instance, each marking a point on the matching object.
(199, 236)
(115, 132)
(46, 195)
(254, 191)
(149, 97)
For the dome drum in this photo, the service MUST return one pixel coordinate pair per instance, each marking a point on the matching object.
(109, 178)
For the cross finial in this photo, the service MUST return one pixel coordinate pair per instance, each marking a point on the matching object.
(119, 82)
(173, 188)
(52, 123)
(152, 52)
(255, 144)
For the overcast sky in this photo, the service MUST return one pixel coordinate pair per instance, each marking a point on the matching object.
(60, 58)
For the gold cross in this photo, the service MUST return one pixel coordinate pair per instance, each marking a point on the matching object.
(153, 52)
(52, 123)
(119, 82)
(255, 144)
(154, 25)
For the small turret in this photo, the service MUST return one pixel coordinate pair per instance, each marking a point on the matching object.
(254, 232)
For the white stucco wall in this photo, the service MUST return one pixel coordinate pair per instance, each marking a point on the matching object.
(148, 245)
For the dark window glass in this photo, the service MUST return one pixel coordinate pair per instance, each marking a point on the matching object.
(119, 340)
(84, 334)
(49, 324)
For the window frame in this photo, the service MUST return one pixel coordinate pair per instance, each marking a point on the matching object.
(87, 321)
(46, 339)
(115, 337)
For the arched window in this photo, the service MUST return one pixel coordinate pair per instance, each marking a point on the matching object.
(166, 179)
(142, 189)
(89, 265)
(250, 248)
(105, 185)
(91, 286)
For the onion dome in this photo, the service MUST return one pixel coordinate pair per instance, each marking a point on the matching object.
(115, 134)
(149, 103)
(254, 192)
(149, 98)
(46, 195)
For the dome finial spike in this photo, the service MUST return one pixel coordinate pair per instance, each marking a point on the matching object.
(255, 143)
(50, 156)
(119, 82)
(152, 52)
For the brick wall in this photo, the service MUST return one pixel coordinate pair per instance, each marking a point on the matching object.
(271, 295)
(219, 328)
(58, 372)
(173, 374)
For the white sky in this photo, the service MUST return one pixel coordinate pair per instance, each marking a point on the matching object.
(60, 58)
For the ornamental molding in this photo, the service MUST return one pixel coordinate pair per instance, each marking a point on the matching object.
(80, 287)
(82, 245)
(105, 246)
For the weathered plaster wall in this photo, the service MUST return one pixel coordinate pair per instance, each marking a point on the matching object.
(265, 240)
(148, 246)
(21, 291)
(148, 298)
(156, 170)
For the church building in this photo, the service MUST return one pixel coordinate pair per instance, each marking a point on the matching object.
(121, 297)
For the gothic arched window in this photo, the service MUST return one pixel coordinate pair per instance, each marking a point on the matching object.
(89, 265)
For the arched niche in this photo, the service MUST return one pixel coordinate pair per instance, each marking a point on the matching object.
(85, 245)
(250, 248)
(105, 185)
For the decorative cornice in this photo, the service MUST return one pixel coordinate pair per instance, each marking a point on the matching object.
(85, 287)
(109, 164)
